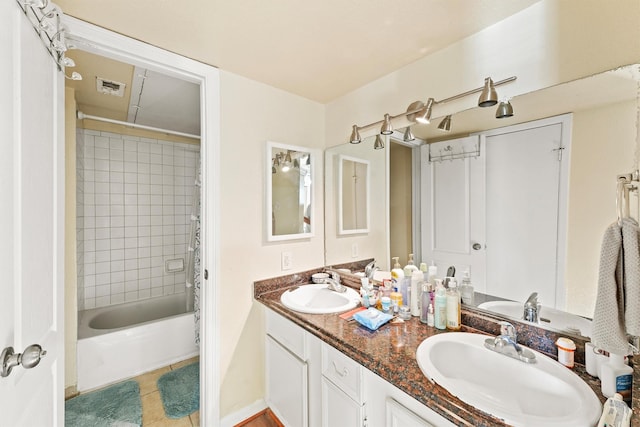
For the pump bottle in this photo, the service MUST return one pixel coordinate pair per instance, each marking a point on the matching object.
(466, 289)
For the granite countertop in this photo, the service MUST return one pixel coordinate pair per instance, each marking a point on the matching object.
(389, 352)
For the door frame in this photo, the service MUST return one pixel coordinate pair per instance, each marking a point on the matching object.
(106, 43)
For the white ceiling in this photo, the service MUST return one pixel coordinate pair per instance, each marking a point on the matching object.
(319, 50)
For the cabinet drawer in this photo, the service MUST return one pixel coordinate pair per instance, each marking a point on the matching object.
(343, 372)
(287, 333)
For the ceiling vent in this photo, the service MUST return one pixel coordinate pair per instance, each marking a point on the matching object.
(110, 87)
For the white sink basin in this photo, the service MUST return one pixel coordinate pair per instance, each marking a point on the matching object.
(319, 299)
(556, 319)
(544, 393)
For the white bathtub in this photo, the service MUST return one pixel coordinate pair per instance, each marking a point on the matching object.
(122, 341)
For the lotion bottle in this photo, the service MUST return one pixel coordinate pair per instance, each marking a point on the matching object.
(440, 308)
(396, 273)
(417, 279)
(616, 377)
(453, 306)
(425, 304)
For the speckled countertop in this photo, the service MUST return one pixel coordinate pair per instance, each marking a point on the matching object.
(390, 351)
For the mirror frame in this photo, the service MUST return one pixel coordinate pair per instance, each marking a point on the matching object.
(341, 230)
(270, 145)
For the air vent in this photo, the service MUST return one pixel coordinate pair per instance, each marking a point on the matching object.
(110, 87)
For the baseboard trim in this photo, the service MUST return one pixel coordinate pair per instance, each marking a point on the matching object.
(244, 413)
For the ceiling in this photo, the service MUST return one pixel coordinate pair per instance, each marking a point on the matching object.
(319, 50)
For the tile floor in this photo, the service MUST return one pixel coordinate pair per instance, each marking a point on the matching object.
(152, 410)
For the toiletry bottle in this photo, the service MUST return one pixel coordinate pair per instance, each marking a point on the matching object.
(411, 266)
(466, 289)
(396, 301)
(425, 270)
(430, 319)
(396, 273)
(440, 307)
(453, 306)
(425, 303)
(432, 273)
(417, 279)
(616, 377)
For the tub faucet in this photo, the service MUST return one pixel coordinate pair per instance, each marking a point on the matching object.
(507, 343)
(531, 308)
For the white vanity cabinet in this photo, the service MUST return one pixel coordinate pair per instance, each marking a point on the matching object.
(311, 384)
(342, 395)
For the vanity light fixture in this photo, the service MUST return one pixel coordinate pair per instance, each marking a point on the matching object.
(489, 96)
(445, 124)
(408, 135)
(286, 165)
(505, 109)
(421, 112)
(355, 136)
(386, 128)
(424, 115)
(379, 144)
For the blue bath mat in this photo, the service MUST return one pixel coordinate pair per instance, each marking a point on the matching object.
(118, 405)
(180, 391)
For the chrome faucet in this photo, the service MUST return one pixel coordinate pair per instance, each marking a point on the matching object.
(334, 282)
(531, 308)
(370, 270)
(507, 343)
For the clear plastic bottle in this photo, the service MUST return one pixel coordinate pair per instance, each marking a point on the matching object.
(466, 289)
(425, 303)
(453, 306)
(440, 307)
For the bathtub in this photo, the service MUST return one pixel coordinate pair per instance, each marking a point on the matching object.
(125, 340)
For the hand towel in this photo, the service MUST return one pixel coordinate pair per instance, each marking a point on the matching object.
(631, 250)
(608, 318)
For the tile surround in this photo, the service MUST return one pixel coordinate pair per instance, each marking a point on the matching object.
(133, 210)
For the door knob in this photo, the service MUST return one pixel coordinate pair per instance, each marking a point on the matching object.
(476, 246)
(28, 359)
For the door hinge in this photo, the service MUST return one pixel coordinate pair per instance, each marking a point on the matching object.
(206, 274)
(559, 150)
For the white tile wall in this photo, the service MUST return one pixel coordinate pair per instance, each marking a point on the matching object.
(134, 205)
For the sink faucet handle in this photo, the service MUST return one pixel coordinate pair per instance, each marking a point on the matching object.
(508, 329)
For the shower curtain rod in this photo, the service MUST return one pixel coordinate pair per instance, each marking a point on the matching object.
(80, 115)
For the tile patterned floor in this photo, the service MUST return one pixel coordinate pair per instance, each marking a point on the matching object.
(152, 410)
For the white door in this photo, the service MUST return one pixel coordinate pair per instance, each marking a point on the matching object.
(523, 180)
(31, 222)
(453, 207)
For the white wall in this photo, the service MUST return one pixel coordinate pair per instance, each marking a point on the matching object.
(252, 114)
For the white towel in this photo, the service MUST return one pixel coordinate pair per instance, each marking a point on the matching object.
(608, 318)
(631, 248)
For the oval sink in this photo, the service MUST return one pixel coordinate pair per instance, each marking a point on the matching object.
(549, 316)
(319, 299)
(544, 393)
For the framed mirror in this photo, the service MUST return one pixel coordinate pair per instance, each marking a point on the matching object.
(288, 193)
(353, 195)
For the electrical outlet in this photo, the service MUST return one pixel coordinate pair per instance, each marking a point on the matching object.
(354, 250)
(287, 261)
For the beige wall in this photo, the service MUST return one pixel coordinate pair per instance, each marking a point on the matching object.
(549, 43)
(603, 146)
(70, 272)
(253, 113)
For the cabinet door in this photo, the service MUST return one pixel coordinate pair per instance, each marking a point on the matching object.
(286, 385)
(338, 409)
(399, 416)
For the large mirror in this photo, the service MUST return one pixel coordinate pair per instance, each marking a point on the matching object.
(288, 193)
(603, 113)
(353, 195)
